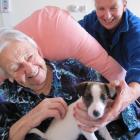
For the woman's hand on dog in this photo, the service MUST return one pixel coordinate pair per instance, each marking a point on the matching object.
(81, 115)
(49, 107)
(125, 95)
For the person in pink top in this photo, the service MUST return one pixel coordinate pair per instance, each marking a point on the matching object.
(59, 37)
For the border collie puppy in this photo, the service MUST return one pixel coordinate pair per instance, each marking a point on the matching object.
(95, 96)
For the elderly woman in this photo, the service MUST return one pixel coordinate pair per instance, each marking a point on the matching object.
(26, 97)
(22, 63)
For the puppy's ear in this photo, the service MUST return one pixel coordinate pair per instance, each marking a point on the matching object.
(80, 88)
(113, 86)
(111, 91)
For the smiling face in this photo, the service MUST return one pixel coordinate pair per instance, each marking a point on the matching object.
(109, 12)
(23, 63)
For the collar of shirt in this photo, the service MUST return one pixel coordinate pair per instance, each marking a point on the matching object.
(123, 27)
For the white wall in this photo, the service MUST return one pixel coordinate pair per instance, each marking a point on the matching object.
(134, 6)
(23, 8)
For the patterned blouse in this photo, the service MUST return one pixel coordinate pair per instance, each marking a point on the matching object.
(16, 100)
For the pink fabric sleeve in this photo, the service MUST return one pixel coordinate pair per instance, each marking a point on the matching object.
(59, 36)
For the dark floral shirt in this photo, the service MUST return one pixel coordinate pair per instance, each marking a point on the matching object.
(16, 100)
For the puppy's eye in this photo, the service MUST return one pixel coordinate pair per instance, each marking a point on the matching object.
(103, 97)
(88, 97)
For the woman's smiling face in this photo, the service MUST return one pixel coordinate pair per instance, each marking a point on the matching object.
(23, 63)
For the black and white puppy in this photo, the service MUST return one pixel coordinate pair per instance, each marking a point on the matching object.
(95, 95)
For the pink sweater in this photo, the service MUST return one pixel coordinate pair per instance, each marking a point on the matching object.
(59, 37)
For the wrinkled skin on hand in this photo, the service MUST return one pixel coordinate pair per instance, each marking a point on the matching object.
(49, 107)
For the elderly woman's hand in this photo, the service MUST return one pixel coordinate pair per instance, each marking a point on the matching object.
(125, 96)
(49, 107)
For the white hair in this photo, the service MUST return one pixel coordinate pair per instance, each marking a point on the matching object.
(9, 35)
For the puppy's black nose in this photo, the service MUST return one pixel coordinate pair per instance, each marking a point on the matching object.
(96, 113)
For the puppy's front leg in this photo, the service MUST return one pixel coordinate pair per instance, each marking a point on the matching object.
(105, 133)
(89, 136)
(38, 132)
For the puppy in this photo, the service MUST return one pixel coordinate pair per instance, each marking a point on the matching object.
(95, 96)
